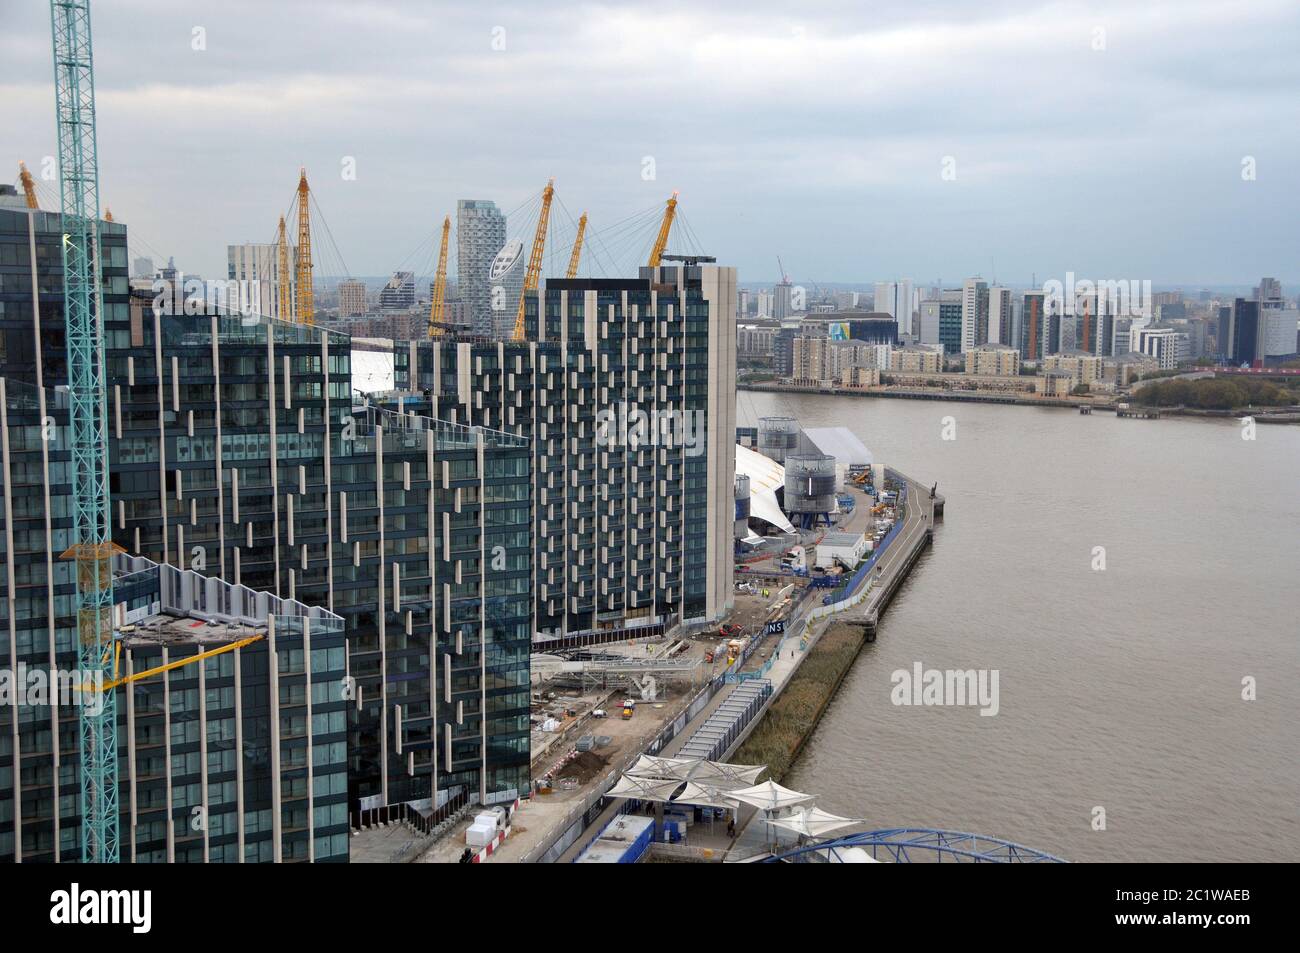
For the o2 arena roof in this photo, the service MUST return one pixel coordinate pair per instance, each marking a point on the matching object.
(766, 476)
(840, 443)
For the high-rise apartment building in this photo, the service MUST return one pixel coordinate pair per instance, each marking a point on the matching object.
(352, 298)
(236, 451)
(974, 313)
(1031, 321)
(1000, 317)
(256, 267)
(897, 299)
(480, 235)
(398, 294)
(626, 389)
(783, 300)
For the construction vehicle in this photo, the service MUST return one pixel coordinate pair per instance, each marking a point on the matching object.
(629, 709)
(534, 272)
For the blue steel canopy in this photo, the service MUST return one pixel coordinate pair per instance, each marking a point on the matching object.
(929, 845)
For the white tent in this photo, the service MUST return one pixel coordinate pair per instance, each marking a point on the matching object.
(811, 821)
(770, 796)
(705, 795)
(644, 789)
(712, 773)
(648, 766)
(766, 476)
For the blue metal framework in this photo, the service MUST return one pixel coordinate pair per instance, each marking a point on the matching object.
(83, 310)
(929, 845)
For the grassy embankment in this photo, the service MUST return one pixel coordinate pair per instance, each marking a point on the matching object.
(781, 734)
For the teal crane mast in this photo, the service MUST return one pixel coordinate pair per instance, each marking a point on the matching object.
(74, 87)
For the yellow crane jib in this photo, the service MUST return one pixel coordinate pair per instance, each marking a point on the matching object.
(577, 248)
(160, 669)
(438, 306)
(29, 186)
(306, 302)
(666, 226)
(282, 277)
(535, 258)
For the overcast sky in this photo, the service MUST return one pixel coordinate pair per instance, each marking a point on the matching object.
(1104, 138)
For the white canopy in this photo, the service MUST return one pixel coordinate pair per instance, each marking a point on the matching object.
(766, 476)
(649, 766)
(811, 821)
(731, 776)
(712, 773)
(644, 789)
(705, 795)
(770, 796)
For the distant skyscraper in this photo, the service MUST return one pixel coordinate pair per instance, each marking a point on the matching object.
(399, 293)
(1031, 321)
(1269, 290)
(1246, 340)
(505, 287)
(974, 313)
(1000, 314)
(480, 234)
(352, 298)
(260, 262)
(783, 307)
(897, 298)
(142, 268)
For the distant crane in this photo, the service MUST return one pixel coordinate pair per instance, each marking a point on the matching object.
(785, 279)
(108, 214)
(577, 248)
(92, 547)
(437, 307)
(665, 227)
(534, 272)
(29, 186)
(282, 263)
(306, 301)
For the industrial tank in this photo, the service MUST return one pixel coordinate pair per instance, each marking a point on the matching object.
(742, 497)
(809, 487)
(777, 437)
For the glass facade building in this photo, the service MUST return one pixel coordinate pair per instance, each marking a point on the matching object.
(625, 389)
(236, 451)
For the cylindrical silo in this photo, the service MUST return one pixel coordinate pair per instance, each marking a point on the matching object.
(742, 497)
(809, 487)
(777, 436)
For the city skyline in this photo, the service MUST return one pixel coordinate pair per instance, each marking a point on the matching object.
(1102, 169)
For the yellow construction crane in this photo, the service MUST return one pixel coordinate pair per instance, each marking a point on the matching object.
(286, 301)
(437, 308)
(306, 303)
(666, 226)
(535, 259)
(29, 186)
(117, 681)
(577, 248)
(108, 214)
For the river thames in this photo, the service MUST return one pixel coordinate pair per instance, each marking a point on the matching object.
(1120, 689)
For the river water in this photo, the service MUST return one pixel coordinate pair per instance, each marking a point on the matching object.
(1118, 689)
